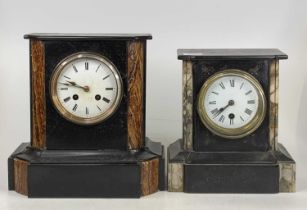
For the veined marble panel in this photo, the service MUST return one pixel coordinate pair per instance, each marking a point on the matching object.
(187, 109)
(287, 177)
(175, 177)
(273, 106)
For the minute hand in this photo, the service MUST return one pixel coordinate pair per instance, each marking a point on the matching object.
(85, 88)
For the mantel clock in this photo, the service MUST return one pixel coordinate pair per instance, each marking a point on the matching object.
(230, 124)
(87, 119)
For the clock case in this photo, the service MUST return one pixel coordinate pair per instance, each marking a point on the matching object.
(110, 159)
(202, 162)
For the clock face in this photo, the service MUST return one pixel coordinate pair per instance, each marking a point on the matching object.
(232, 104)
(86, 88)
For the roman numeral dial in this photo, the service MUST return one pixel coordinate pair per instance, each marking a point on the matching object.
(86, 88)
(231, 103)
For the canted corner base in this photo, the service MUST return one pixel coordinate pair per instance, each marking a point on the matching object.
(235, 172)
(287, 170)
(92, 174)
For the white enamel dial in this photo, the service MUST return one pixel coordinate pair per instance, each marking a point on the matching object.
(86, 88)
(232, 103)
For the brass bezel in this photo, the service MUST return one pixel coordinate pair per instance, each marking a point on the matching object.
(236, 132)
(66, 114)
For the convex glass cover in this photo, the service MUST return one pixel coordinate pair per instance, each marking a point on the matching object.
(86, 88)
(231, 103)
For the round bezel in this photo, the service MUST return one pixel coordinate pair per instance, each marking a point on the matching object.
(232, 133)
(68, 115)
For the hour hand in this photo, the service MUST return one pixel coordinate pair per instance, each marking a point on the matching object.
(72, 83)
(230, 103)
(218, 112)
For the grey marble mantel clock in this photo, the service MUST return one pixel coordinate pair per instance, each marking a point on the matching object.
(230, 124)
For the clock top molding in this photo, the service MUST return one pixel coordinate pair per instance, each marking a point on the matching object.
(231, 54)
(82, 36)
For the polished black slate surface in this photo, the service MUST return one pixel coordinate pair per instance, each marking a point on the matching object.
(85, 173)
(231, 158)
(109, 134)
(213, 54)
(203, 138)
(231, 178)
(177, 154)
(34, 156)
(86, 36)
(84, 180)
(229, 172)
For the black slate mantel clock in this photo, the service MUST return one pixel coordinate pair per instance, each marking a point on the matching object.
(87, 119)
(230, 124)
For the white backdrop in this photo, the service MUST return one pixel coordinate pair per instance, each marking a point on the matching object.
(174, 24)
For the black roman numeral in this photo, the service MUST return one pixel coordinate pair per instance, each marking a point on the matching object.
(248, 92)
(212, 102)
(98, 67)
(98, 108)
(86, 111)
(248, 111)
(105, 77)
(222, 85)
(251, 102)
(67, 99)
(215, 93)
(232, 83)
(106, 100)
(75, 68)
(75, 107)
(86, 65)
(109, 88)
(222, 118)
(64, 89)
(231, 121)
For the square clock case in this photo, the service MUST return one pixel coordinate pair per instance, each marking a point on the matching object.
(230, 124)
(87, 120)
